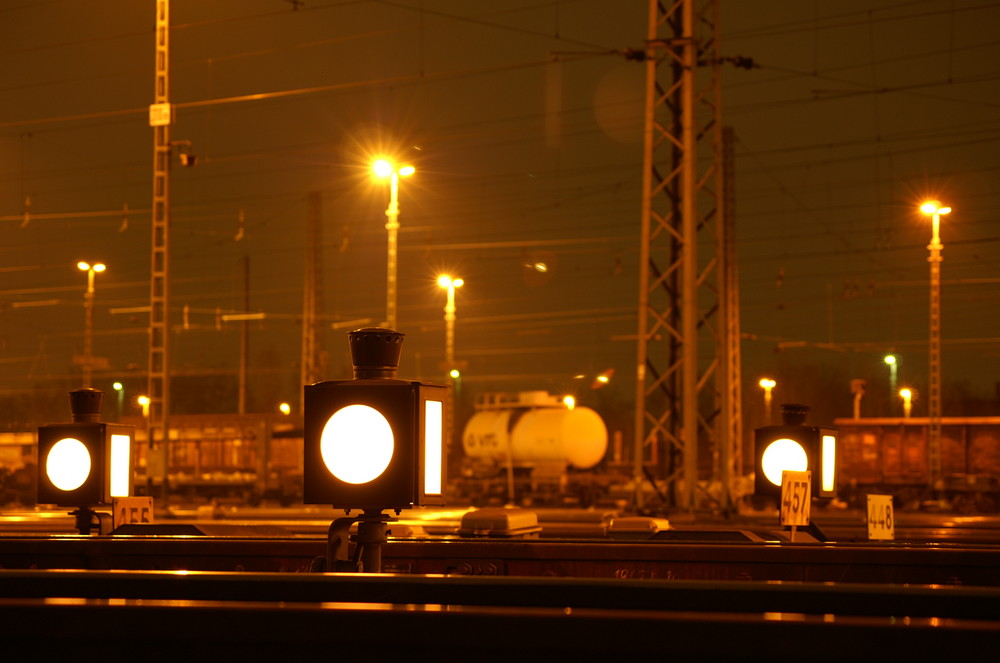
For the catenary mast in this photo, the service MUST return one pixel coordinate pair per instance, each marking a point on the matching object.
(160, 119)
(687, 418)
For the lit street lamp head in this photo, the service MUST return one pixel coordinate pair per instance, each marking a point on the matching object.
(384, 168)
(87, 267)
(934, 207)
(445, 281)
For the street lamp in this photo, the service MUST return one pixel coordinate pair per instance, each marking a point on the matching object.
(450, 284)
(383, 169)
(88, 304)
(934, 209)
(767, 384)
(120, 390)
(907, 396)
(893, 365)
(143, 402)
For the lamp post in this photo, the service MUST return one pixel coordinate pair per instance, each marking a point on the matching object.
(88, 304)
(120, 390)
(383, 169)
(907, 396)
(767, 384)
(143, 402)
(893, 364)
(450, 284)
(934, 209)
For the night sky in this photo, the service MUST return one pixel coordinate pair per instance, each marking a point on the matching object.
(523, 119)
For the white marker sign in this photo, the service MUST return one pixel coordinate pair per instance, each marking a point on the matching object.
(131, 510)
(880, 520)
(796, 497)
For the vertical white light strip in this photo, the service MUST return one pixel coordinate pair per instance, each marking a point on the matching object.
(829, 451)
(433, 446)
(121, 464)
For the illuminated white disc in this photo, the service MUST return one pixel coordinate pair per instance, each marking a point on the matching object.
(783, 454)
(356, 444)
(68, 464)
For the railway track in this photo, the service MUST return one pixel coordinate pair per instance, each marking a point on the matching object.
(241, 586)
(200, 616)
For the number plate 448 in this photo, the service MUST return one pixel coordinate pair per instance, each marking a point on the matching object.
(880, 520)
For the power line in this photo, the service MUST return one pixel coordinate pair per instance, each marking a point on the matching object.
(836, 21)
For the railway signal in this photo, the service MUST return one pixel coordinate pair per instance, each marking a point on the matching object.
(86, 462)
(796, 447)
(373, 443)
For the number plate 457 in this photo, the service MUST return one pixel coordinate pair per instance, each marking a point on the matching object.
(796, 497)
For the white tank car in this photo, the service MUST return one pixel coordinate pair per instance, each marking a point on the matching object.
(535, 428)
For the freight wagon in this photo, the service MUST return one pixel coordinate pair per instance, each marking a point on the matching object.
(890, 456)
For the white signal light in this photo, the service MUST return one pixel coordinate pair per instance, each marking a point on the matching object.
(68, 464)
(121, 465)
(783, 454)
(828, 483)
(433, 446)
(357, 444)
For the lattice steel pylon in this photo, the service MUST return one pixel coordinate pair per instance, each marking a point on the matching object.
(160, 118)
(687, 377)
(312, 293)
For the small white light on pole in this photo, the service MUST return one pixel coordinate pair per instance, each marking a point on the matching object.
(88, 303)
(767, 384)
(907, 396)
(449, 284)
(893, 363)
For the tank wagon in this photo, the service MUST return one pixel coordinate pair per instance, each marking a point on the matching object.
(532, 448)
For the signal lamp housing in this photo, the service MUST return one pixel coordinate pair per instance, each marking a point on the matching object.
(794, 446)
(374, 442)
(86, 462)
